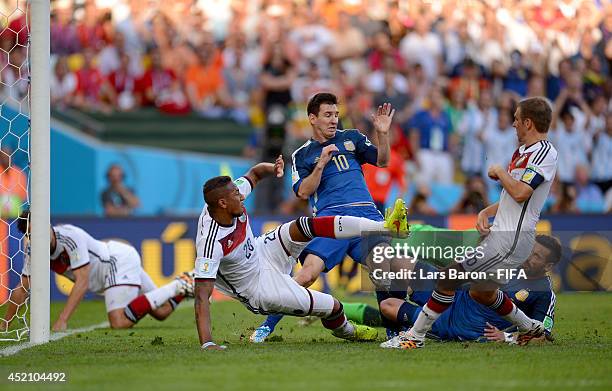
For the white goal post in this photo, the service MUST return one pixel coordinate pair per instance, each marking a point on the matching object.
(40, 170)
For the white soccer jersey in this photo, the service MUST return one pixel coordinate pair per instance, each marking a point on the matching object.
(534, 165)
(74, 249)
(228, 254)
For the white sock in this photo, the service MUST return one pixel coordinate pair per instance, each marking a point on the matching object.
(346, 331)
(161, 295)
(346, 227)
(518, 318)
(424, 322)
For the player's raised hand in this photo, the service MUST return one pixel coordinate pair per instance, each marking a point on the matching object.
(493, 171)
(326, 154)
(279, 166)
(492, 333)
(383, 117)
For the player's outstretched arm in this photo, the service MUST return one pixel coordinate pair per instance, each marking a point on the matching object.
(263, 170)
(18, 296)
(81, 284)
(203, 290)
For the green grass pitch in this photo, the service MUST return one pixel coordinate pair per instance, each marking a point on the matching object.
(166, 356)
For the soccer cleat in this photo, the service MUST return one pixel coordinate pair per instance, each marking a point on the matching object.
(186, 281)
(364, 333)
(536, 331)
(396, 219)
(402, 341)
(260, 334)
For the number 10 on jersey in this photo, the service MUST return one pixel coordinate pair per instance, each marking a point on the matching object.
(341, 162)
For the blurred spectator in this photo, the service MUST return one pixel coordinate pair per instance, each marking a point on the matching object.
(313, 41)
(277, 78)
(423, 46)
(470, 82)
(91, 86)
(13, 185)
(571, 143)
(517, 75)
(429, 132)
(601, 165)
(123, 86)
(205, 86)
(566, 203)
(474, 198)
(419, 204)
(380, 180)
(63, 84)
(382, 49)
(64, 38)
(588, 196)
(159, 86)
(394, 92)
(500, 141)
(117, 199)
(477, 118)
(90, 30)
(377, 81)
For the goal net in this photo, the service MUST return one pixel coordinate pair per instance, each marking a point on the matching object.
(14, 159)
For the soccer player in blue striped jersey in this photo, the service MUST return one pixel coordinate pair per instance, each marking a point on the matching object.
(468, 320)
(326, 170)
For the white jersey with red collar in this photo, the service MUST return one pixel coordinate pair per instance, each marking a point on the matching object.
(74, 249)
(536, 166)
(227, 254)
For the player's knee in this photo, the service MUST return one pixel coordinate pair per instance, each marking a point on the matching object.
(388, 308)
(118, 320)
(307, 276)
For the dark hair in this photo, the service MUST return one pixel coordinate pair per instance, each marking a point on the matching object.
(553, 245)
(538, 110)
(23, 221)
(322, 98)
(210, 195)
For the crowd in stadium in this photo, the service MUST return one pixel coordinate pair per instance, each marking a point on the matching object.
(454, 71)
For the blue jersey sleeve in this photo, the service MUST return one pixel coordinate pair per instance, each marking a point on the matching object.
(366, 152)
(543, 309)
(299, 169)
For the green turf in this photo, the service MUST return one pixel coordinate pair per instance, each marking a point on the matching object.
(309, 358)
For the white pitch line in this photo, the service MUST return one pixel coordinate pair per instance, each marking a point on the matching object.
(10, 350)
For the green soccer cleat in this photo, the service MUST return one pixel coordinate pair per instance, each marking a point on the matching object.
(364, 333)
(396, 219)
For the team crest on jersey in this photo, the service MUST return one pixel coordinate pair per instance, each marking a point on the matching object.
(348, 144)
(522, 295)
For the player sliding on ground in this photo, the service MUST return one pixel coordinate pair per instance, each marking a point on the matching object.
(510, 240)
(255, 270)
(112, 269)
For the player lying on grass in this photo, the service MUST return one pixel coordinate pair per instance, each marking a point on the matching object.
(468, 320)
(112, 269)
(255, 270)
